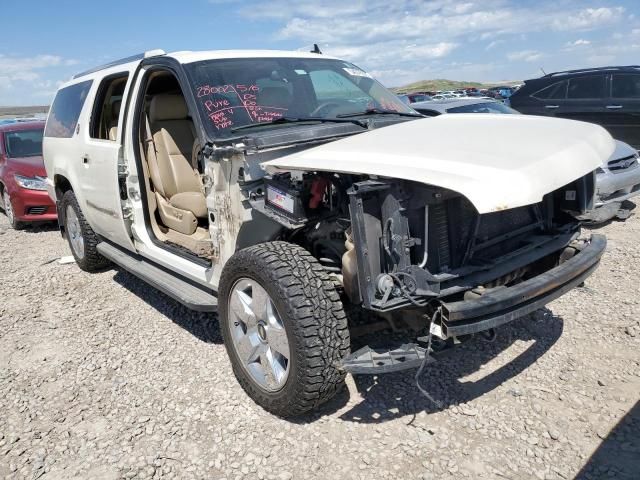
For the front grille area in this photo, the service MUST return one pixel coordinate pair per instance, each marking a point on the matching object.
(499, 223)
(36, 210)
(453, 226)
(439, 236)
(623, 163)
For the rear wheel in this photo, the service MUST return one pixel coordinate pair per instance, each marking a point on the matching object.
(8, 211)
(82, 239)
(283, 326)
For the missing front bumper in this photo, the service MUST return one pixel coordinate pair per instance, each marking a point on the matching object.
(507, 304)
(484, 313)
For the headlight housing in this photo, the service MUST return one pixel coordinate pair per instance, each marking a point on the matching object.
(31, 183)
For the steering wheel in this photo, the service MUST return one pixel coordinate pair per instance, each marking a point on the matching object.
(322, 106)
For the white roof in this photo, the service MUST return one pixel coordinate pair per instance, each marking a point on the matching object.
(186, 57)
(197, 56)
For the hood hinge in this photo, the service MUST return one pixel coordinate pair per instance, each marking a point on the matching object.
(215, 153)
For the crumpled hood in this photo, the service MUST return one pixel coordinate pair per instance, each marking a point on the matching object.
(496, 161)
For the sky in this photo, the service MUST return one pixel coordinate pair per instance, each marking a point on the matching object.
(44, 42)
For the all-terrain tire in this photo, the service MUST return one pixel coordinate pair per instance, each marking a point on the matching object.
(90, 260)
(313, 317)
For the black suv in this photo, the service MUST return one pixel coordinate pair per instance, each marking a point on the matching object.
(608, 96)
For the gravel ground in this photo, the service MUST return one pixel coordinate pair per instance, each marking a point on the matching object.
(103, 377)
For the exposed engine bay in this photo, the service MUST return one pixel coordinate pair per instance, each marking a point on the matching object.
(394, 244)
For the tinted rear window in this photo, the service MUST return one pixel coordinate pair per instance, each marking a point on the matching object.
(24, 143)
(65, 110)
(625, 86)
(586, 87)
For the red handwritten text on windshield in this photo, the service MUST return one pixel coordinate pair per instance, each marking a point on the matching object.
(224, 103)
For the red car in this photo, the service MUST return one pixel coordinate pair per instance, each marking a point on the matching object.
(23, 191)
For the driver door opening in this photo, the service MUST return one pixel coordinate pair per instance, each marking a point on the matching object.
(169, 150)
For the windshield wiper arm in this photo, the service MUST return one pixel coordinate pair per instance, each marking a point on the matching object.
(378, 111)
(301, 120)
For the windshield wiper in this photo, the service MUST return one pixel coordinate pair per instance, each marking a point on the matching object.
(378, 111)
(301, 120)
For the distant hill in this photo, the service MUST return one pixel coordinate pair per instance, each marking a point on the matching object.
(22, 111)
(443, 84)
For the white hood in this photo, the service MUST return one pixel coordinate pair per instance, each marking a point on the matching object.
(496, 161)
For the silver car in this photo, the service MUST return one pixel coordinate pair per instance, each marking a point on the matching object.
(617, 180)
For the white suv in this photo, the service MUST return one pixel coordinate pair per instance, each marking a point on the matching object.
(306, 204)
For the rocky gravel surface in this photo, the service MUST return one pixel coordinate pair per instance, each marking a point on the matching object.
(103, 377)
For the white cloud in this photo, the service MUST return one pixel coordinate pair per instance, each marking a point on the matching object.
(590, 18)
(525, 55)
(283, 9)
(378, 56)
(28, 74)
(23, 64)
(408, 40)
(578, 43)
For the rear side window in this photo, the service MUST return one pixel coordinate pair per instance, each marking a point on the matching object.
(106, 111)
(625, 86)
(65, 110)
(555, 91)
(586, 87)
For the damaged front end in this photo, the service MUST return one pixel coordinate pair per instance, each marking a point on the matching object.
(421, 258)
(441, 239)
(426, 257)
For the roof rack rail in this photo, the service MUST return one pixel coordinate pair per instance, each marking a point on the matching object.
(132, 58)
(593, 69)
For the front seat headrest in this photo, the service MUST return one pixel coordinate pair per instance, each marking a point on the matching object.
(168, 107)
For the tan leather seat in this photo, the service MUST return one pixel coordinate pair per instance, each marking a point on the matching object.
(175, 180)
(113, 126)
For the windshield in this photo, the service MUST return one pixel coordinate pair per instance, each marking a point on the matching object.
(24, 143)
(484, 107)
(240, 92)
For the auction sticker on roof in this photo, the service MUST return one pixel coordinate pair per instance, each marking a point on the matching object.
(354, 72)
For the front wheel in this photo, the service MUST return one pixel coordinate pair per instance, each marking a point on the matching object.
(283, 326)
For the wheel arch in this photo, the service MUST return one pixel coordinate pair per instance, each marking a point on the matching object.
(62, 185)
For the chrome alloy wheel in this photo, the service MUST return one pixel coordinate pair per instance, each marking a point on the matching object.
(74, 232)
(258, 335)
